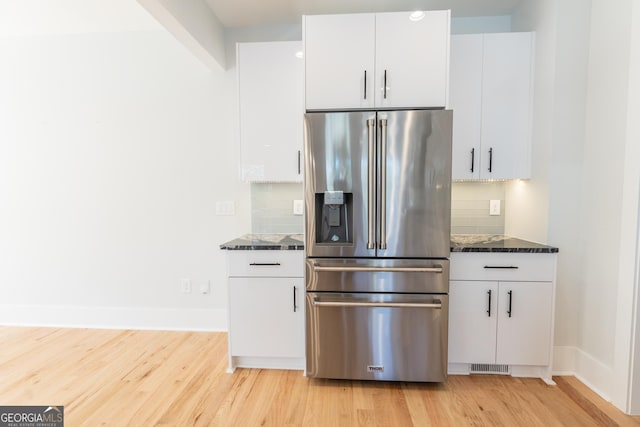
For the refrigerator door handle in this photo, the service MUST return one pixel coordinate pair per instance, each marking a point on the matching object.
(383, 184)
(371, 126)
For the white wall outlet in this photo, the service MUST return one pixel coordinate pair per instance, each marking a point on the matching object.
(205, 287)
(226, 207)
(185, 285)
(298, 207)
(494, 207)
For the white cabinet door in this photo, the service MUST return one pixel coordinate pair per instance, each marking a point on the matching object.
(524, 323)
(465, 99)
(506, 105)
(472, 321)
(491, 97)
(270, 90)
(266, 317)
(339, 61)
(411, 59)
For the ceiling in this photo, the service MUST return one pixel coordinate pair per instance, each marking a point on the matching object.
(247, 13)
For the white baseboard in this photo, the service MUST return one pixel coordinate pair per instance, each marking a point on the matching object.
(568, 360)
(290, 363)
(564, 360)
(171, 319)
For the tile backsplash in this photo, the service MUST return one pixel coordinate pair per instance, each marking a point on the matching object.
(272, 208)
(470, 207)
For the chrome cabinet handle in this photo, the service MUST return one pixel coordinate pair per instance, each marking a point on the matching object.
(346, 269)
(383, 184)
(435, 304)
(371, 244)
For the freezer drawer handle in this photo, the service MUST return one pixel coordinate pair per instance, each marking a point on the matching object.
(344, 269)
(437, 304)
(263, 264)
(508, 267)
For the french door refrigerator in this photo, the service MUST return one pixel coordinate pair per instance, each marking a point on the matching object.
(377, 242)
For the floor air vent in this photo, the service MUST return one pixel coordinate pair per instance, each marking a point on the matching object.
(485, 368)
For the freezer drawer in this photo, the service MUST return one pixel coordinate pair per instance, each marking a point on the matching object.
(377, 275)
(390, 337)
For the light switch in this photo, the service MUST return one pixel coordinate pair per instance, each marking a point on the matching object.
(298, 207)
(494, 207)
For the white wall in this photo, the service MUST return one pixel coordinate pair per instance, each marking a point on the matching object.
(548, 208)
(527, 209)
(602, 190)
(627, 370)
(114, 148)
(633, 136)
(481, 24)
(585, 165)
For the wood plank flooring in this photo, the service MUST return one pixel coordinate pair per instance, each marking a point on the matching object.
(146, 378)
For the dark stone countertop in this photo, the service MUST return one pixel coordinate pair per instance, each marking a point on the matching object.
(496, 243)
(459, 243)
(262, 242)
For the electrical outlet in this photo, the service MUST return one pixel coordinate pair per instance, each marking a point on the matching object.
(298, 207)
(185, 285)
(205, 287)
(494, 207)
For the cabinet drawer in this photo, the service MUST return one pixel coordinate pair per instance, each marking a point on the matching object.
(503, 266)
(271, 263)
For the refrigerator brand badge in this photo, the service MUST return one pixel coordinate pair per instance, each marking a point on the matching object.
(375, 368)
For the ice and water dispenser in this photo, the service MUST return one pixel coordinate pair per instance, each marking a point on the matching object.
(334, 217)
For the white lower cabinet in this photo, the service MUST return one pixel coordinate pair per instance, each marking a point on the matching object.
(266, 311)
(501, 322)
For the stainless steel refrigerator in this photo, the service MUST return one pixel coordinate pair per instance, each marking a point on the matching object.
(377, 241)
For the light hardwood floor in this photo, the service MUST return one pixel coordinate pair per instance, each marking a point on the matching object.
(145, 378)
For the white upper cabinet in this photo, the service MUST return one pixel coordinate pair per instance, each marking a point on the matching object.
(339, 60)
(491, 97)
(412, 59)
(383, 60)
(270, 86)
(465, 99)
(506, 105)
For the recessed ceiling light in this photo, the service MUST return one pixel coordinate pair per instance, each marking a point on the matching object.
(417, 15)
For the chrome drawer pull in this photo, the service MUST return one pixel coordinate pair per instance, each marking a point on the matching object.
(437, 269)
(437, 304)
